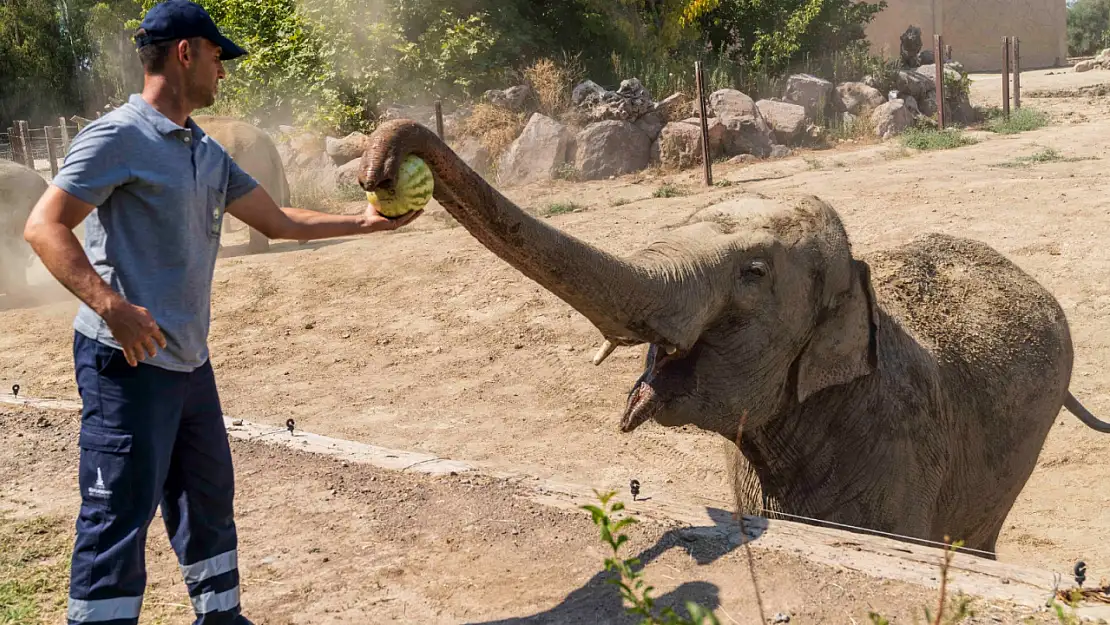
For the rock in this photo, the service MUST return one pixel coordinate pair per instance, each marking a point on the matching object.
(611, 148)
(474, 154)
(959, 110)
(814, 93)
(347, 174)
(650, 124)
(911, 103)
(654, 155)
(673, 107)
(741, 159)
(781, 617)
(1103, 58)
(925, 57)
(787, 120)
(913, 83)
(537, 154)
(928, 106)
(632, 88)
(516, 99)
(858, 98)
(587, 93)
(911, 45)
(680, 145)
(747, 131)
(346, 149)
(718, 133)
(780, 151)
(1084, 66)
(891, 119)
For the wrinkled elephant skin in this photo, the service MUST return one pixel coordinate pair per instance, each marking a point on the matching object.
(908, 391)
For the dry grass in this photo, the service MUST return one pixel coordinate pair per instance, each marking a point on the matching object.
(315, 189)
(552, 83)
(494, 126)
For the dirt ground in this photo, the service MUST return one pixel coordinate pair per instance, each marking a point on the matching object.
(324, 541)
(425, 340)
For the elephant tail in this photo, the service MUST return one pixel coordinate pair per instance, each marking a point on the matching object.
(1077, 409)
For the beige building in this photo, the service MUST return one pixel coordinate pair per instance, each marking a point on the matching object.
(974, 29)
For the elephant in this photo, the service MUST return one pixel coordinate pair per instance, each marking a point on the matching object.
(907, 391)
(20, 188)
(254, 151)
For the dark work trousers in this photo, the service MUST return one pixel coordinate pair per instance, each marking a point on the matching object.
(150, 436)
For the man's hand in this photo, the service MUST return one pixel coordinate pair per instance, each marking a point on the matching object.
(376, 222)
(134, 329)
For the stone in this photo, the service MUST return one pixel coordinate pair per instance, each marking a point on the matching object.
(911, 103)
(673, 107)
(650, 124)
(891, 119)
(718, 133)
(611, 148)
(787, 120)
(913, 83)
(305, 148)
(928, 106)
(814, 93)
(654, 157)
(516, 99)
(537, 154)
(346, 149)
(910, 45)
(587, 93)
(780, 151)
(741, 159)
(1084, 66)
(680, 145)
(858, 98)
(925, 57)
(1103, 58)
(632, 88)
(747, 131)
(347, 174)
(474, 154)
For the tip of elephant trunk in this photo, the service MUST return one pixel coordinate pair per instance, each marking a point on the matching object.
(643, 404)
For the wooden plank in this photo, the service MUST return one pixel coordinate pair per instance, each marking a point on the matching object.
(24, 133)
(64, 135)
(439, 119)
(51, 153)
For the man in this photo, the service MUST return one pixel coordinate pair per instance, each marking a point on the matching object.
(154, 189)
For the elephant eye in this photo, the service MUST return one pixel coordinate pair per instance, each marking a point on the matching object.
(756, 268)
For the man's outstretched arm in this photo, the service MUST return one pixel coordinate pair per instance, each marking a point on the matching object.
(258, 210)
(49, 231)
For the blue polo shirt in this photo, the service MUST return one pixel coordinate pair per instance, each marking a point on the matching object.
(159, 190)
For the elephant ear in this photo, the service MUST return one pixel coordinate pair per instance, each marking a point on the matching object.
(842, 347)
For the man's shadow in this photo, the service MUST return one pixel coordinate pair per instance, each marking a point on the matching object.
(598, 601)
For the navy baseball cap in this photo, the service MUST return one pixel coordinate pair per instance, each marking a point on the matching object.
(182, 19)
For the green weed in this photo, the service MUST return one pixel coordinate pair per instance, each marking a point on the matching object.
(923, 138)
(34, 568)
(668, 190)
(560, 208)
(631, 583)
(1021, 120)
(1045, 155)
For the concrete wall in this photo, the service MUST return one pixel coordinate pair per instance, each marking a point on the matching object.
(974, 29)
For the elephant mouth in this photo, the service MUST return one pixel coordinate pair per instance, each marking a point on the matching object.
(644, 403)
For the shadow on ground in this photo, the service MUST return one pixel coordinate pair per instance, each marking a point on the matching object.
(598, 601)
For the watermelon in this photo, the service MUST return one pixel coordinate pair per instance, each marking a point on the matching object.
(411, 192)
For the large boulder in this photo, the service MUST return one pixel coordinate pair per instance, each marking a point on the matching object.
(680, 145)
(787, 120)
(474, 154)
(811, 92)
(1085, 66)
(748, 132)
(347, 174)
(611, 148)
(651, 124)
(673, 107)
(909, 82)
(347, 149)
(857, 98)
(718, 133)
(891, 118)
(537, 154)
(628, 103)
(516, 99)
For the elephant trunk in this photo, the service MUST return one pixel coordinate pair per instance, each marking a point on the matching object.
(628, 302)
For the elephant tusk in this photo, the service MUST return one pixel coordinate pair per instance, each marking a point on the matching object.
(671, 349)
(604, 351)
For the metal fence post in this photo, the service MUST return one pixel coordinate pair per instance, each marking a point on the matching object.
(938, 47)
(1017, 73)
(1006, 77)
(705, 151)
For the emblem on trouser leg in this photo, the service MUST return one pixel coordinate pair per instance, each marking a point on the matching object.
(100, 489)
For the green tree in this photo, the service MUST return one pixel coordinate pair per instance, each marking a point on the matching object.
(38, 68)
(1088, 27)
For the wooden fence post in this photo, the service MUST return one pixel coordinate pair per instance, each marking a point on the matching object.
(51, 153)
(705, 151)
(25, 142)
(1006, 77)
(65, 135)
(1017, 73)
(439, 119)
(11, 140)
(938, 48)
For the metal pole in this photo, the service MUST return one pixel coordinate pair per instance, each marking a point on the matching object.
(705, 151)
(938, 47)
(1006, 77)
(51, 153)
(1017, 74)
(439, 119)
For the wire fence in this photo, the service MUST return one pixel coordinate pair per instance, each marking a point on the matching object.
(42, 149)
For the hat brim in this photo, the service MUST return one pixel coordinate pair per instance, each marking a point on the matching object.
(228, 49)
